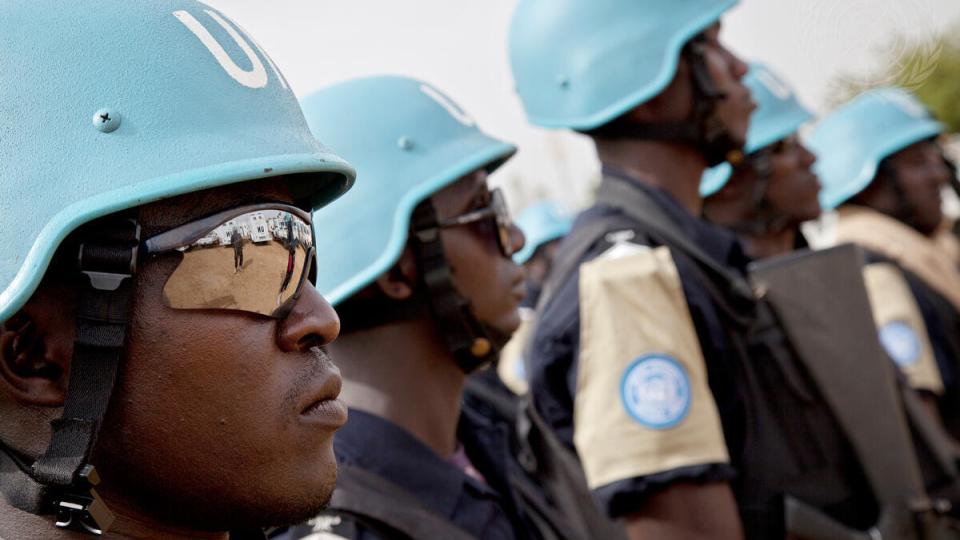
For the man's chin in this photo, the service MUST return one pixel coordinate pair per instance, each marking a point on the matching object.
(499, 334)
(299, 505)
(295, 513)
(265, 505)
(254, 510)
(292, 508)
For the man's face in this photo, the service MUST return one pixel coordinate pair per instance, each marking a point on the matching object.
(727, 71)
(920, 171)
(492, 283)
(794, 188)
(221, 418)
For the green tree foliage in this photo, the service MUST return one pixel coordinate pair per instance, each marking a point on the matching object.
(929, 68)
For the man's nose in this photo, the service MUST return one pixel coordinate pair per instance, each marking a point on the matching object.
(311, 323)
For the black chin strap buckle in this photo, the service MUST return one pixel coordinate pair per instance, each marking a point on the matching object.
(481, 347)
(81, 509)
(736, 157)
(109, 262)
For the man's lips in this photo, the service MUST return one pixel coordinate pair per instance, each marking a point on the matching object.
(812, 180)
(329, 413)
(322, 406)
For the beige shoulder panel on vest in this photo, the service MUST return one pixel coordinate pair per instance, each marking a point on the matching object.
(911, 250)
(643, 404)
(510, 366)
(902, 331)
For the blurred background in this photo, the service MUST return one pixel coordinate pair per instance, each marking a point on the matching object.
(828, 49)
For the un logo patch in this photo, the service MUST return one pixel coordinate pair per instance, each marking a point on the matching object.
(900, 342)
(656, 391)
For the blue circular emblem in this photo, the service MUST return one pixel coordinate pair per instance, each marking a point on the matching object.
(900, 342)
(520, 370)
(656, 391)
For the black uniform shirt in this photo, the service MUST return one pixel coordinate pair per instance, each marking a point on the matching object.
(387, 450)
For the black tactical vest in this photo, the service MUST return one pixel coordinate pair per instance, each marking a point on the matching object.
(782, 437)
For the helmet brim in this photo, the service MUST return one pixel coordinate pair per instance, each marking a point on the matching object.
(315, 180)
(494, 154)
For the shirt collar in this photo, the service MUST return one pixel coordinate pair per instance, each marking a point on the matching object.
(721, 244)
(386, 449)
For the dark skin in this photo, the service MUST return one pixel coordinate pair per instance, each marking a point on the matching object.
(379, 363)
(204, 432)
(673, 166)
(684, 511)
(920, 173)
(791, 194)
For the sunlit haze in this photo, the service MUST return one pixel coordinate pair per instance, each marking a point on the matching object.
(461, 47)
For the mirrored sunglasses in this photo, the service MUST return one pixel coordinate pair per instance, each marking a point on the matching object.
(254, 259)
(497, 214)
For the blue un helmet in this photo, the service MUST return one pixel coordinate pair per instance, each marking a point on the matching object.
(853, 140)
(153, 100)
(409, 140)
(778, 115)
(108, 109)
(541, 223)
(581, 65)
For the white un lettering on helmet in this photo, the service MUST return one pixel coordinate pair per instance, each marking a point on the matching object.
(452, 108)
(774, 84)
(907, 105)
(655, 391)
(256, 76)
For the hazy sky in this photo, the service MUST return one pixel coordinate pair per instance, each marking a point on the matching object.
(460, 46)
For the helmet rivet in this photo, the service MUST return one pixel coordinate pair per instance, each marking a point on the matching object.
(563, 81)
(405, 143)
(480, 348)
(106, 120)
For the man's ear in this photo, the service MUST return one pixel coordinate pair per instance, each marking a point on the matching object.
(36, 345)
(400, 282)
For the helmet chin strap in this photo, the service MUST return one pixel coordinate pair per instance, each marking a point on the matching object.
(62, 480)
(472, 343)
(765, 219)
(704, 129)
